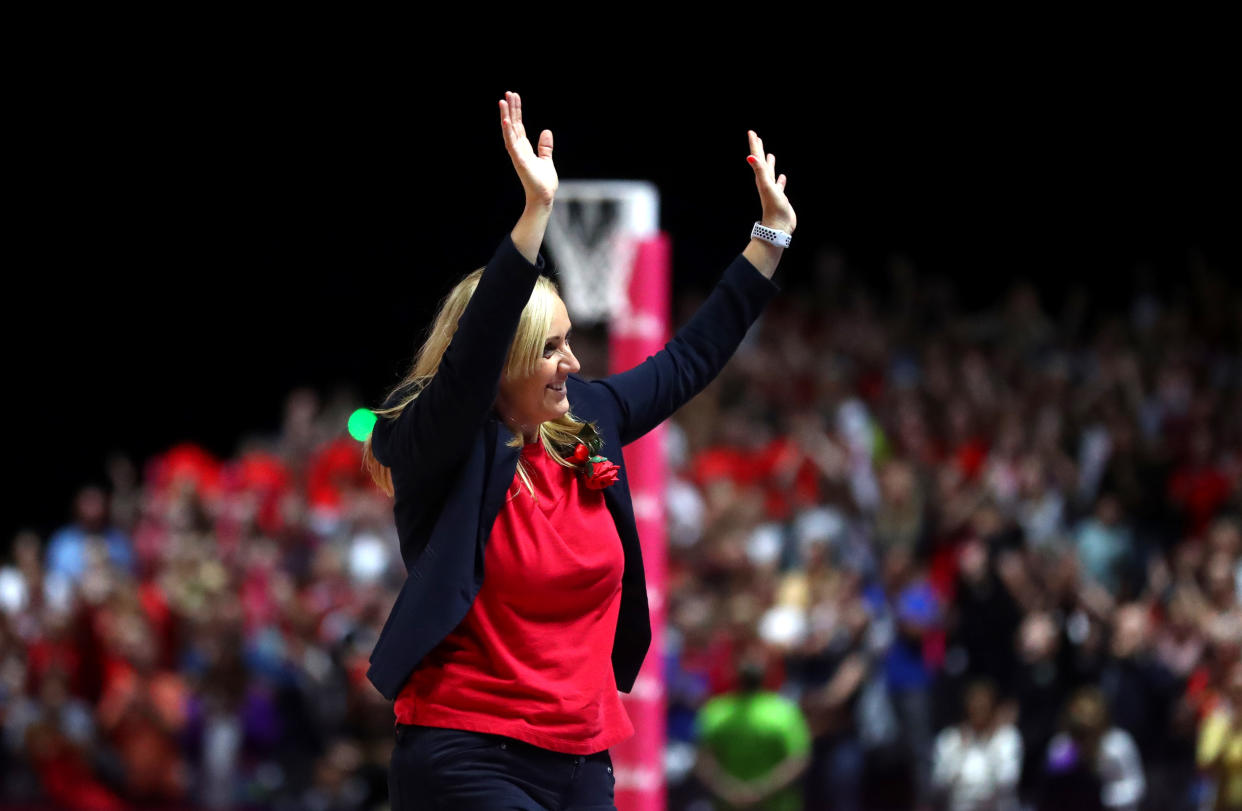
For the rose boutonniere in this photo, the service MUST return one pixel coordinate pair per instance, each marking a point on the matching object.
(599, 472)
(602, 473)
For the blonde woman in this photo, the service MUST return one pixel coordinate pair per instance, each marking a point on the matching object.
(524, 609)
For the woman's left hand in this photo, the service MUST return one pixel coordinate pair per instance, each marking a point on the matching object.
(777, 212)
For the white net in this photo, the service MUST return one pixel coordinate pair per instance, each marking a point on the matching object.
(593, 234)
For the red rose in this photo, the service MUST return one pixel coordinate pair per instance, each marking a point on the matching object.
(580, 454)
(603, 474)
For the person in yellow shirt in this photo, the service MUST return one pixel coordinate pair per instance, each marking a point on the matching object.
(1220, 744)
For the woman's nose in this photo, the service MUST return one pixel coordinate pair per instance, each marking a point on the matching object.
(570, 361)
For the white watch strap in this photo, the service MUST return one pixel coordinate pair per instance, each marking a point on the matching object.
(778, 238)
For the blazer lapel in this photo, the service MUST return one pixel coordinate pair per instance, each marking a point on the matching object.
(499, 477)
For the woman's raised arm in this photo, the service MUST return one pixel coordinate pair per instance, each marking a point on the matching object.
(435, 429)
(649, 393)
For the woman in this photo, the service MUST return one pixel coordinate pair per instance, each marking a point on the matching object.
(976, 765)
(505, 688)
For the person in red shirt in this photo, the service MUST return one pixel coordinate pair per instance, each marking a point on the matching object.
(506, 695)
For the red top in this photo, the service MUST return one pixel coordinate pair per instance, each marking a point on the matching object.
(532, 659)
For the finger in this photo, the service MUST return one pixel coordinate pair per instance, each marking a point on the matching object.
(780, 181)
(506, 125)
(762, 178)
(754, 140)
(514, 106)
(519, 129)
(545, 144)
(771, 165)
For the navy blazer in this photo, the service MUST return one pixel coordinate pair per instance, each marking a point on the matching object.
(451, 465)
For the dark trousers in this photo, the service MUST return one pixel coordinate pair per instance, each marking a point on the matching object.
(437, 768)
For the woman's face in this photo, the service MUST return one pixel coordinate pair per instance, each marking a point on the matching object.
(528, 401)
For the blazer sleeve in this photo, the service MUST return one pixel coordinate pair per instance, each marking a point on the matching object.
(435, 430)
(649, 393)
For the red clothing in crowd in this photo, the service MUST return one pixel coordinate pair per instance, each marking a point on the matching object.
(1200, 491)
(532, 659)
(790, 480)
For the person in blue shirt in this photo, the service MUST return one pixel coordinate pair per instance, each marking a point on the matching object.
(68, 548)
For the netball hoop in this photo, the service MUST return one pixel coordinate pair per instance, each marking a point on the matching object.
(594, 235)
(614, 266)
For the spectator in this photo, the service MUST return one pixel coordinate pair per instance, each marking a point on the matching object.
(1092, 764)
(908, 616)
(1104, 542)
(832, 668)
(754, 745)
(977, 763)
(1220, 745)
(67, 551)
(1143, 696)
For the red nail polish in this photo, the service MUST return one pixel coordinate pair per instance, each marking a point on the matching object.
(750, 158)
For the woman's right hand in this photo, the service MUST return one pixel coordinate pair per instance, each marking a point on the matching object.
(534, 167)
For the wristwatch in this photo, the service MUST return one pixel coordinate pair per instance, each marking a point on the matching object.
(777, 238)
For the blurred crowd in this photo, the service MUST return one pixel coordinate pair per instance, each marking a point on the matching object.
(994, 559)
(919, 558)
(197, 636)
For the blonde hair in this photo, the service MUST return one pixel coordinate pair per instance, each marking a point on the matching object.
(525, 352)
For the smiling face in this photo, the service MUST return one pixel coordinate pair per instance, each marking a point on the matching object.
(525, 402)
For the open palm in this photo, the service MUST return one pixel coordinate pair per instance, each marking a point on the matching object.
(778, 213)
(534, 166)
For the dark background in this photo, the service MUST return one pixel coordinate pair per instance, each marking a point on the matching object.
(194, 238)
